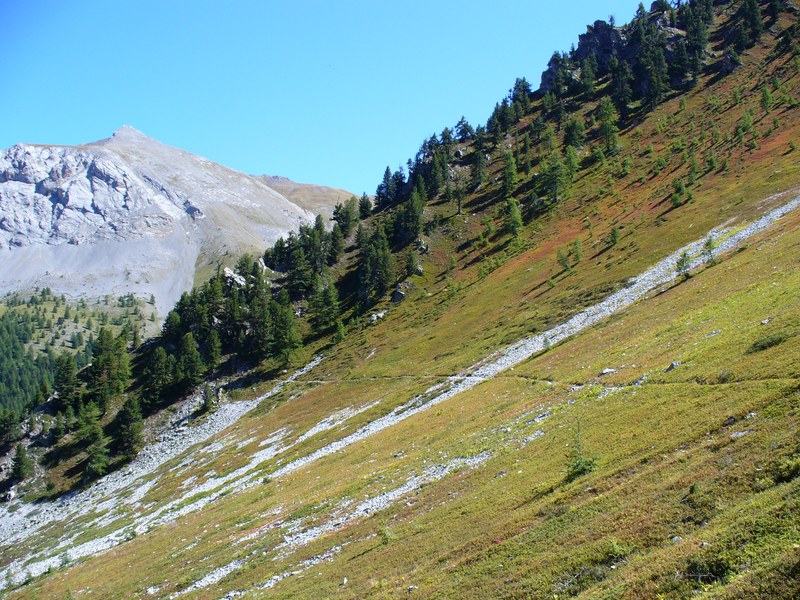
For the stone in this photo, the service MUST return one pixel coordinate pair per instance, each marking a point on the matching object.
(398, 295)
(673, 366)
(607, 371)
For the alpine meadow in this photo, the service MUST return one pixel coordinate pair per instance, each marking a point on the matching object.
(555, 354)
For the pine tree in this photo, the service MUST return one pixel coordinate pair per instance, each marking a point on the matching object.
(408, 220)
(189, 366)
(385, 192)
(479, 169)
(749, 14)
(574, 133)
(464, 130)
(66, 380)
(361, 236)
(553, 177)
(412, 263)
(22, 465)
(571, 162)
(324, 305)
(513, 221)
(621, 76)
(214, 351)
(209, 400)
(98, 455)
(587, 78)
(766, 99)
(683, 264)
(110, 370)
(61, 426)
(129, 437)
(509, 174)
(157, 376)
(336, 244)
(526, 153)
(376, 272)
(364, 206)
(286, 338)
(300, 276)
(609, 130)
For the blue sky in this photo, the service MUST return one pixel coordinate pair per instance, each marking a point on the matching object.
(326, 92)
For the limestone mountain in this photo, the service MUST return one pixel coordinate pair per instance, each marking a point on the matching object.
(130, 214)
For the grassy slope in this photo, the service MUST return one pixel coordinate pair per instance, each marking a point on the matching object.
(514, 526)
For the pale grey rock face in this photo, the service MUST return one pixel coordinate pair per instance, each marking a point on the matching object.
(128, 214)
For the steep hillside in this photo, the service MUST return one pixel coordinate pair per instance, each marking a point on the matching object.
(585, 382)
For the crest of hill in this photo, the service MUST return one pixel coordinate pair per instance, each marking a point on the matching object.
(317, 199)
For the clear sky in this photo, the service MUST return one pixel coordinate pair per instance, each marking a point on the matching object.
(326, 92)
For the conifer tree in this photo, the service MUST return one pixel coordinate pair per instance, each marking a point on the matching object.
(158, 375)
(286, 338)
(364, 206)
(574, 133)
(214, 351)
(571, 162)
(66, 380)
(408, 220)
(336, 244)
(376, 272)
(361, 236)
(385, 192)
(324, 305)
(513, 221)
(110, 370)
(479, 172)
(300, 276)
(526, 153)
(22, 465)
(129, 437)
(609, 130)
(261, 324)
(412, 263)
(189, 366)
(97, 450)
(749, 15)
(464, 130)
(621, 93)
(553, 177)
(587, 78)
(509, 174)
(88, 418)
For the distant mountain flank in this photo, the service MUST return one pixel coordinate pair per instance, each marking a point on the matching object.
(317, 199)
(130, 214)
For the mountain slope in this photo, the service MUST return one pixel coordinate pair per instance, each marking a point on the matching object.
(464, 442)
(129, 214)
(317, 199)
